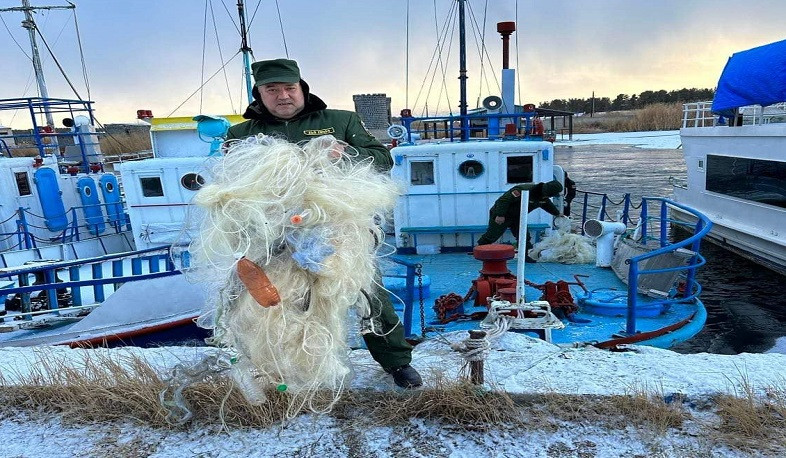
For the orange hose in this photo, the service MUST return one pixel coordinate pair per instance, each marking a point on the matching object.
(257, 283)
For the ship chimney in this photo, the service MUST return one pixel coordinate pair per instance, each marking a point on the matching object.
(506, 29)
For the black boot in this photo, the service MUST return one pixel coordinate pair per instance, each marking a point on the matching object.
(406, 376)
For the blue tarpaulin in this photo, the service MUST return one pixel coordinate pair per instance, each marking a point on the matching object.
(753, 77)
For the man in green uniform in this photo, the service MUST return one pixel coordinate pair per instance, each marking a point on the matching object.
(284, 107)
(506, 211)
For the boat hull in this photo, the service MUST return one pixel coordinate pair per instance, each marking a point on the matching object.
(767, 252)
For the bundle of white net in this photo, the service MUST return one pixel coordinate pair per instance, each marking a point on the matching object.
(308, 215)
(563, 246)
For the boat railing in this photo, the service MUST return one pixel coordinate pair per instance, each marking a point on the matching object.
(77, 225)
(691, 289)
(699, 114)
(413, 273)
(85, 293)
(489, 125)
(647, 228)
(599, 206)
(44, 140)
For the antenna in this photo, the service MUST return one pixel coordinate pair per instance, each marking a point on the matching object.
(246, 50)
(31, 27)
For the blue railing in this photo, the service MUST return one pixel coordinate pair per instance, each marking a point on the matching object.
(409, 291)
(74, 230)
(487, 122)
(153, 258)
(44, 138)
(692, 289)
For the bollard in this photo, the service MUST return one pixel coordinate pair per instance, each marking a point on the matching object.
(476, 376)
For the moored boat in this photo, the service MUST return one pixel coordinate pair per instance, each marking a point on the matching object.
(734, 151)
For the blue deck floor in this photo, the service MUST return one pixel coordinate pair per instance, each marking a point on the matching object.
(454, 272)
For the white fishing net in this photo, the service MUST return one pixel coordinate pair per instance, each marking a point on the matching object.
(563, 246)
(309, 215)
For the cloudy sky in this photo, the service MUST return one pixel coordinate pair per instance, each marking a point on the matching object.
(148, 53)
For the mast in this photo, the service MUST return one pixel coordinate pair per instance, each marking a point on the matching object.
(463, 73)
(246, 50)
(30, 25)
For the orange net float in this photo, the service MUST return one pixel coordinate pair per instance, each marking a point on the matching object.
(257, 283)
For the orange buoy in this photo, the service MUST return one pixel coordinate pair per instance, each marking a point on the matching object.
(257, 283)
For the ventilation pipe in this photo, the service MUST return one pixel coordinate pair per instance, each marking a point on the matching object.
(603, 232)
(505, 29)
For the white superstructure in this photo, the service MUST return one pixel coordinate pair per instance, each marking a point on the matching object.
(737, 177)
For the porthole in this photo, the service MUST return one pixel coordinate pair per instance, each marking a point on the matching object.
(87, 191)
(192, 181)
(109, 187)
(471, 169)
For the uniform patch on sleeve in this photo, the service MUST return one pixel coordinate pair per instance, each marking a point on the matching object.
(326, 131)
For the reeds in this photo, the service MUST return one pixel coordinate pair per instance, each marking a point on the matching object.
(659, 116)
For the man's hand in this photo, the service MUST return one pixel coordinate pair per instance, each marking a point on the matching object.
(499, 220)
(337, 151)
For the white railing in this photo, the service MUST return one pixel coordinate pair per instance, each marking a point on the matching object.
(699, 114)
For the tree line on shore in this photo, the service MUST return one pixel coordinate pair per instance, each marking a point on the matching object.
(630, 102)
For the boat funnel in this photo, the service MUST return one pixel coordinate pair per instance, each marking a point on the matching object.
(603, 232)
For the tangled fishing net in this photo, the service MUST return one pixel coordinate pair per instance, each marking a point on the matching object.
(308, 215)
(563, 246)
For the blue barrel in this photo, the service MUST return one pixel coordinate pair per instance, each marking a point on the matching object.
(94, 215)
(111, 193)
(51, 200)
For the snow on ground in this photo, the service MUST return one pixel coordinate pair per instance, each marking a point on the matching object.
(516, 363)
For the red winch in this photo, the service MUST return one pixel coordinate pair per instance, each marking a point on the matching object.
(497, 281)
(558, 295)
(495, 277)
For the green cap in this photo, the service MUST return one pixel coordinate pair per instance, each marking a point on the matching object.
(552, 188)
(275, 71)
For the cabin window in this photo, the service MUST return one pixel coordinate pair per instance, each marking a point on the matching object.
(23, 183)
(519, 169)
(151, 187)
(750, 179)
(421, 173)
(87, 191)
(109, 187)
(192, 181)
(471, 169)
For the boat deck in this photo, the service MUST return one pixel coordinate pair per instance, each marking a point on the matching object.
(454, 272)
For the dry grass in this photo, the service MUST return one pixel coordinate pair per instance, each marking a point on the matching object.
(455, 403)
(640, 409)
(659, 116)
(751, 421)
(104, 389)
(121, 143)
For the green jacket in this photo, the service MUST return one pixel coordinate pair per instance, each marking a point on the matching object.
(315, 120)
(509, 206)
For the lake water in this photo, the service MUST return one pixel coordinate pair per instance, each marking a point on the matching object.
(745, 303)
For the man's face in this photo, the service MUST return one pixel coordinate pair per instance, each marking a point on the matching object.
(283, 100)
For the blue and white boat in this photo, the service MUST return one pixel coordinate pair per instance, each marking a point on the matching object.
(641, 290)
(65, 239)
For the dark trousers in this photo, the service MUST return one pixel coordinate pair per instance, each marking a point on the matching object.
(390, 350)
(496, 230)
